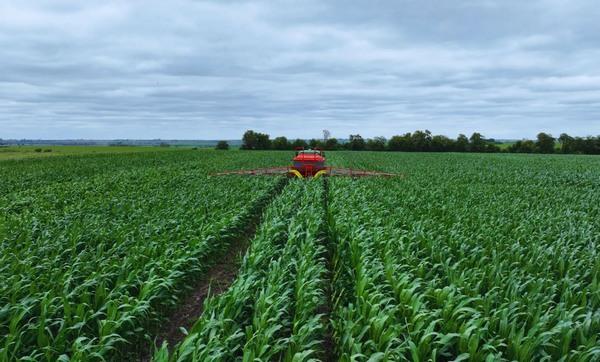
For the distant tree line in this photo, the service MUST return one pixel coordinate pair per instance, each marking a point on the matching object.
(545, 143)
(424, 141)
(261, 141)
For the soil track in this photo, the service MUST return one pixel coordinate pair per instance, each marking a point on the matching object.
(325, 309)
(215, 280)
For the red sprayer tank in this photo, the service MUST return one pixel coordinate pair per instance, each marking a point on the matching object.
(309, 162)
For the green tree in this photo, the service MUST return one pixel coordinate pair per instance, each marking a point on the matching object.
(255, 141)
(262, 141)
(222, 145)
(249, 140)
(331, 144)
(545, 143)
(462, 143)
(492, 147)
(400, 143)
(441, 144)
(356, 143)
(280, 143)
(376, 144)
(421, 141)
(315, 143)
(299, 143)
(524, 146)
(566, 143)
(476, 143)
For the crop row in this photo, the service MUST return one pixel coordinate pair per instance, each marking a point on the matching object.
(20, 175)
(86, 266)
(468, 257)
(456, 263)
(272, 310)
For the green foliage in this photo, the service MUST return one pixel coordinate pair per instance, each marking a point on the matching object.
(545, 143)
(588, 145)
(255, 141)
(525, 146)
(465, 259)
(280, 143)
(271, 310)
(222, 145)
(23, 152)
(376, 144)
(356, 143)
(88, 264)
(476, 143)
(299, 143)
(331, 144)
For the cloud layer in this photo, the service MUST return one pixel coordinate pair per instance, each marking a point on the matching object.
(206, 70)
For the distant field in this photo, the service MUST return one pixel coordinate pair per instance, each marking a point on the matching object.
(20, 152)
(505, 145)
(468, 257)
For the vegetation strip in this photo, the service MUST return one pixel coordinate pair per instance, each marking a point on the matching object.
(425, 141)
(89, 266)
(270, 311)
(325, 309)
(445, 272)
(217, 278)
(471, 257)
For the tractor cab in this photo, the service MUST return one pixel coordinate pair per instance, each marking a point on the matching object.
(309, 162)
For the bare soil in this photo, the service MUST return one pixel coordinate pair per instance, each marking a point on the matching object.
(325, 309)
(216, 281)
(328, 344)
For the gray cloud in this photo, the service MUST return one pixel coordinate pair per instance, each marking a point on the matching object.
(211, 69)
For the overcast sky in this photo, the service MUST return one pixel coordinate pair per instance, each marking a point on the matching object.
(212, 69)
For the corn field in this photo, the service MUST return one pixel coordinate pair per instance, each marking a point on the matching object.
(468, 257)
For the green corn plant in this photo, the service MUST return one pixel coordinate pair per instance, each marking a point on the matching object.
(469, 257)
(102, 256)
(496, 283)
(270, 311)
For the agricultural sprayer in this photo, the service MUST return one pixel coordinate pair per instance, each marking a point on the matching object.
(308, 164)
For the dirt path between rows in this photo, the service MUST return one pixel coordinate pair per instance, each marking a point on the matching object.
(216, 281)
(326, 309)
